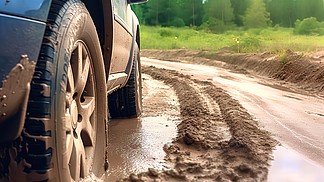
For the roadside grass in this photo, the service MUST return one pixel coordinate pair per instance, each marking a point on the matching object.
(254, 40)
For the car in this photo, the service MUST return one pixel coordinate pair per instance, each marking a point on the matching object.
(67, 66)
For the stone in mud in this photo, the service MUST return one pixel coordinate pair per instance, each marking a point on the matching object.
(153, 172)
(134, 178)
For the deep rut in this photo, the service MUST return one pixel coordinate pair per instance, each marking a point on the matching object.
(217, 139)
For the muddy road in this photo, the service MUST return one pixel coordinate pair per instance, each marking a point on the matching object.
(295, 118)
(203, 123)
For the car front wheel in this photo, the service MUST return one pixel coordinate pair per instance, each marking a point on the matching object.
(64, 137)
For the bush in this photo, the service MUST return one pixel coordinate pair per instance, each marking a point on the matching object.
(248, 44)
(283, 56)
(309, 26)
(276, 27)
(168, 32)
(214, 25)
(178, 22)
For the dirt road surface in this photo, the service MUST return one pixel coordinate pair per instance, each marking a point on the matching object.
(203, 123)
(295, 120)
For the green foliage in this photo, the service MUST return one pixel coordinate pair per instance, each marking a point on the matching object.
(219, 10)
(246, 43)
(168, 32)
(239, 9)
(309, 26)
(172, 12)
(239, 40)
(214, 25)
(256, 15)
(307, 8)
(276, 27)
(283, 56)
(178, 22)
(250, 43)
(191, 12)
(248, 13)
(282, 12)
(178, 38)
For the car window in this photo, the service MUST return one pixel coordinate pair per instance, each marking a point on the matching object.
(120, 7)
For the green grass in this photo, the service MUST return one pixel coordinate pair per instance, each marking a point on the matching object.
(253, 40)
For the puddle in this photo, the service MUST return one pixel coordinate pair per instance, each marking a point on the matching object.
(137, 144)
(289, 166)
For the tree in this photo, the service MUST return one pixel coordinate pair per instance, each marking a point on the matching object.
(152, 15)
(256, 15)
(192, 12)
(239, 9)
(317, 9)
(307, 9)
(283, 12)
(219, 9)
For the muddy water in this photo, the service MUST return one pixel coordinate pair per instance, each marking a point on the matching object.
(288, 165)
(137, 144)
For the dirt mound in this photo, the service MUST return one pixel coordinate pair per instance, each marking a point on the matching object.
(217, 139)
(306, 72)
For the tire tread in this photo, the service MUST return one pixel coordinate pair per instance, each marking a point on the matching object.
(122, 103)
(39, 105)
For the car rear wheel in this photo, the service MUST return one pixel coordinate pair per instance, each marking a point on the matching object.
(127, 101)
(64, 137)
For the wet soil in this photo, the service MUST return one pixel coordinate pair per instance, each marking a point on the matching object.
(217, 139)
(194, 130)
(303, 71)
(283, 95)
(290, 165)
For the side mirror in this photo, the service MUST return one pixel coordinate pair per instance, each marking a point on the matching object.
(136, 1)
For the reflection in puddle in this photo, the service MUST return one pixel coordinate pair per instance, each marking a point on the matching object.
(290, 166)
(137, 144)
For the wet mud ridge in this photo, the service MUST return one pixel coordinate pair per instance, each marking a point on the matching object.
(304, 72)
(217, 139)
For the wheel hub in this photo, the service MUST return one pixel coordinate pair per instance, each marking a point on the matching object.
(74, 114)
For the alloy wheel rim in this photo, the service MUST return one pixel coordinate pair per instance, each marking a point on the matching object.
(80, 112)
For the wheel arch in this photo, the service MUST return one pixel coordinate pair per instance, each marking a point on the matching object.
(102, 15)
(138, 35)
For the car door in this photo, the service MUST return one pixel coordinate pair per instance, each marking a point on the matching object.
(122, 43)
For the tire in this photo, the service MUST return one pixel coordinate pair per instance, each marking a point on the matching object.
(127, 101)
(64, 137)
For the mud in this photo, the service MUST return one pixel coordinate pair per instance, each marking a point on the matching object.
(289, 108)
(290, 165)
(217, 139)
(137, 144)
(303, 71)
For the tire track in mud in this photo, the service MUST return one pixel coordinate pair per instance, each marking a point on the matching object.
(222, 143)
